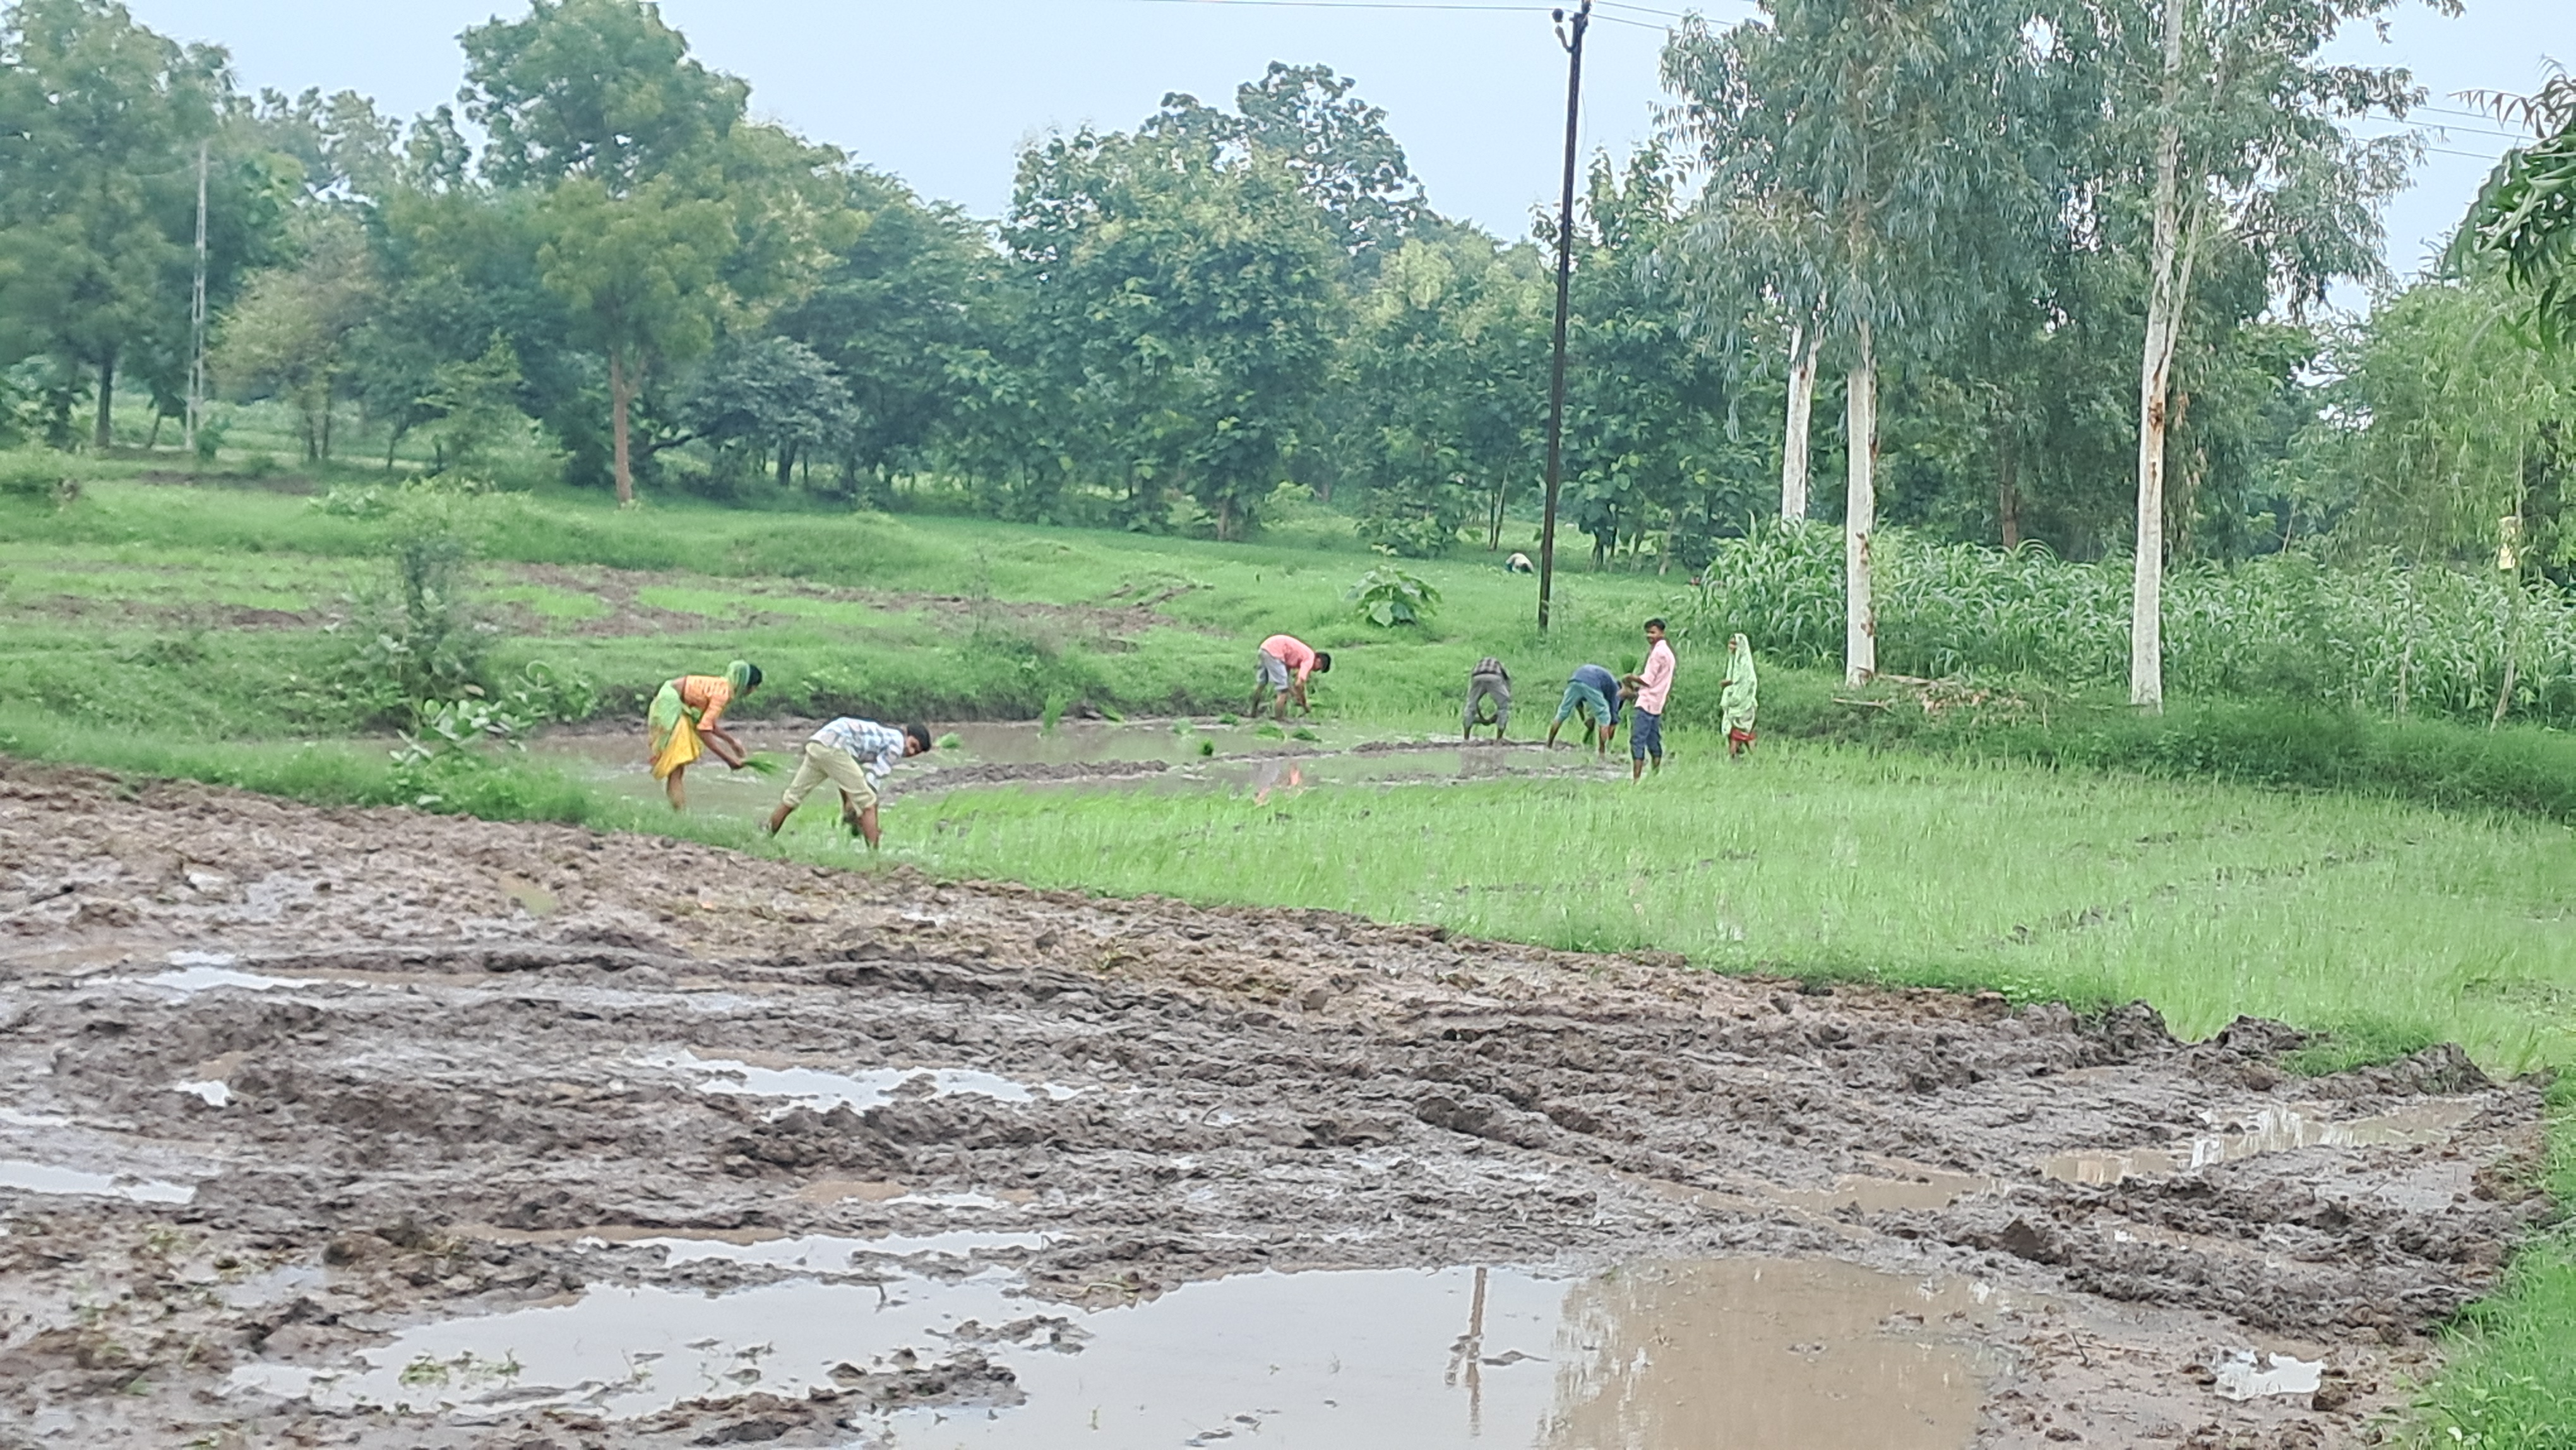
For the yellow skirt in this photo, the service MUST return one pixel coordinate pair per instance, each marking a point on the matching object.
(674, 733)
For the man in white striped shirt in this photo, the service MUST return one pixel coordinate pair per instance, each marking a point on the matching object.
(855, 755)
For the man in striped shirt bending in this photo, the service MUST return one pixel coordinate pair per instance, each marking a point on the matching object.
(855, 755)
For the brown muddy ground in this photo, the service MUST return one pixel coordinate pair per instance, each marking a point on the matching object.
(367, 1128)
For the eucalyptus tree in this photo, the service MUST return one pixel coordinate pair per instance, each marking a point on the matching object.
(1755, 248)
(1869, 158)
(2222, 127)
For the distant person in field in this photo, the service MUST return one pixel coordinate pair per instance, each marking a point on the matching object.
(686, 722)
(855, 755)
(1488, 684)
(1741, 697)
(1283, 666)
(1654, 687)
(1519, 564)
(1596, 695)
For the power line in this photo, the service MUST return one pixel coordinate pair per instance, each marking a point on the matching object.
(1449, 5)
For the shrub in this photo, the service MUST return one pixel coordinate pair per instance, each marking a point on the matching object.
(1391, 597)
(41, 474)
(418, 635)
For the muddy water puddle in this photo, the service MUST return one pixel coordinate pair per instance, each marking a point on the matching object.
(1754, 1354)
(32, 1177)
(2247, 1374)
(822, 1089)
(1087, 755)
(2273, 1130)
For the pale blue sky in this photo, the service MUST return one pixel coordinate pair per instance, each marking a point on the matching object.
(944, 92)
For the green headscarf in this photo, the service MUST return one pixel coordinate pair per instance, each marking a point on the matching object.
(1742, 690)
(741, 675)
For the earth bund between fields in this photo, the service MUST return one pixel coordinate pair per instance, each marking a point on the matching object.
(297, 1099)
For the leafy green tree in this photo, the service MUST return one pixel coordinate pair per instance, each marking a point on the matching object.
(103, 121)
(1648, 456)
(774, 394)
(1186, 306)
(667, 217)
(595, 90)
(290, 334)
(640, 276)
(2443, 420)
(472, 411)
(1449, 371)
(907, 316)
(1341, 151)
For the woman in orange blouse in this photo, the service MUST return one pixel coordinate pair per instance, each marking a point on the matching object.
(686, 724)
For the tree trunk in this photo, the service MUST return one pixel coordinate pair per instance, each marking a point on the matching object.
(1860, 516)
(2007, 488)
(1793, 442)
(620, 390)
(326, 426)
(786, 464)
(105, 437)
(155, 440)
(2166, 279)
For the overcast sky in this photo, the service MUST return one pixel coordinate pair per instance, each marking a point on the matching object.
(944, 92)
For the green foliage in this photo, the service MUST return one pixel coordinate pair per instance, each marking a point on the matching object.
(42, 474)
(98, 199)
(2375, 635)
(417, 635)
(1391, 597)
(292, 333)
(1193, 302)
(2525, 217)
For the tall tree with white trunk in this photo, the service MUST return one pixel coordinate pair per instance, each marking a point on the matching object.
(2231, 122)
(1868, 177)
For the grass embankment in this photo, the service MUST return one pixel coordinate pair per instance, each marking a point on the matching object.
(204, 613)
(2059, 849)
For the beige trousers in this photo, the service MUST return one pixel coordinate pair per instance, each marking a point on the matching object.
(829, 762)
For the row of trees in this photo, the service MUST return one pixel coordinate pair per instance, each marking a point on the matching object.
(2052, 263)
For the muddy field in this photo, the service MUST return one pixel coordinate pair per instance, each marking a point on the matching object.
(365, 1128)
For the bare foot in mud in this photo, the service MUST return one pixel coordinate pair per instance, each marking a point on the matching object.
(308, 1116)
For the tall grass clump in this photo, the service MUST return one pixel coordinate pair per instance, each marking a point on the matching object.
(2375, 634)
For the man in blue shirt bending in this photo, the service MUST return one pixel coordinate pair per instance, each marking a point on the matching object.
(1596, 695)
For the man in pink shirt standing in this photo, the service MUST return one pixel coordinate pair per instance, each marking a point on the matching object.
(1284, 665)
(1654, 687)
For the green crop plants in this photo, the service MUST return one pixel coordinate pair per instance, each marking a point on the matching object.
(2373, 634)
(2387, 924)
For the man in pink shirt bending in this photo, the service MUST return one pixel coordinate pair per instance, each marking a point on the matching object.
(1654, 687)
(1284, 665)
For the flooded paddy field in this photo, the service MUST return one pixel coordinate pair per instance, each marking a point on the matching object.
(1152, 756)
(373, 1129)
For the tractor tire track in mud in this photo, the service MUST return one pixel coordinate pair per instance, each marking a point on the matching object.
(334, 1075)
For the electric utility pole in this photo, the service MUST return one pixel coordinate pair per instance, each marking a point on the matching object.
(197, 315)
(1573, 41)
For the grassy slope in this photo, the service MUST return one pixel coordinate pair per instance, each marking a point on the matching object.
(1975, 856)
